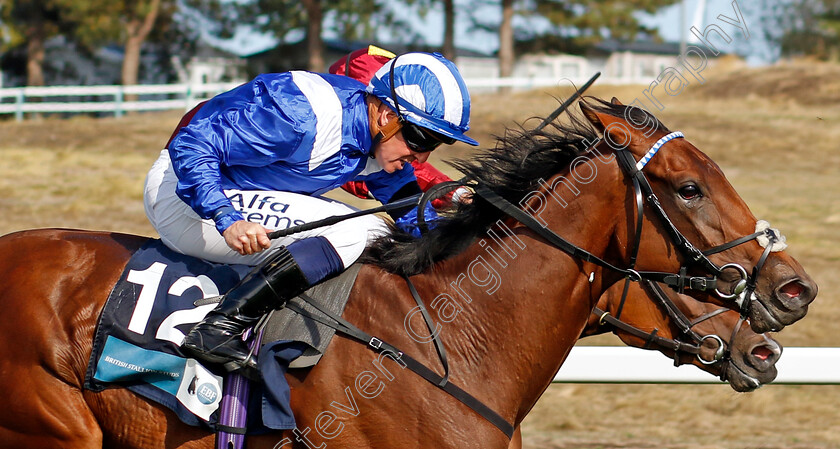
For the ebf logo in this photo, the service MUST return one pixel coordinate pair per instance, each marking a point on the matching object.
(207, 393)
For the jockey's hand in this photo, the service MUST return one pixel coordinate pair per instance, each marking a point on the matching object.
(246, 238)
(462, 195)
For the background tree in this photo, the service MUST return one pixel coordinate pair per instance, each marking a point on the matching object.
(353, 20)
(30, 23)
(801, 27)
(448, 49)
(588, 23)
(129, 22)
(506, 39)
(568, 24)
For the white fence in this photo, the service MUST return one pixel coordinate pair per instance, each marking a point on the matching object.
(20, 101)
(621, 364)
(104, 99)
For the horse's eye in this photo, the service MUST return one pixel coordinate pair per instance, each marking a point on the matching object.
(690, 192)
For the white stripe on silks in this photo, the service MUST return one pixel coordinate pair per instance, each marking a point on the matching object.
(328, 115)
(647, 157)
(413, 92)
(453, 105)
(372, 166)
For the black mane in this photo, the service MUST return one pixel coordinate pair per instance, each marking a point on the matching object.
(512, 169)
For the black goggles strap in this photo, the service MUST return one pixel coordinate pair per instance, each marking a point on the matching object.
(394, 89)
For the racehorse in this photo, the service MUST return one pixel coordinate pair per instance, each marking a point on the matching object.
(701, 334)
(511, 297)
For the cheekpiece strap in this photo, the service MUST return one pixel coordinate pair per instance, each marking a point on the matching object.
(641, 164)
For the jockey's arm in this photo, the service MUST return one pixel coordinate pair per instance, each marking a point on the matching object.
(229, 136)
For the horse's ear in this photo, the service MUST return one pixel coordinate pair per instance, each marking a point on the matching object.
(616, 102)
(607, 123)
(592, 116)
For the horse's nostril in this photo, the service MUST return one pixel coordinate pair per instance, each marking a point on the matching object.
(762, 352)
(792, 289)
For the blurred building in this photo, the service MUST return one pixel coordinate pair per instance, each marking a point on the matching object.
(210, 65)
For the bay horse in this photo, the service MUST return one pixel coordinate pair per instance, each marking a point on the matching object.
(744, 358)
(702, 334)
(510, 299)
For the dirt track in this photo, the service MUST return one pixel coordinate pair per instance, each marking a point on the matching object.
(778, 146)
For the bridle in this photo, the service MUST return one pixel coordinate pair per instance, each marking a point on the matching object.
(742, 291)
(679, 281)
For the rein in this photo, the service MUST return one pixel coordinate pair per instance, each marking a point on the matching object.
(680, 282)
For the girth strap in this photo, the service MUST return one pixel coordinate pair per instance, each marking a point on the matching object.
(345, 327)
(230, 429)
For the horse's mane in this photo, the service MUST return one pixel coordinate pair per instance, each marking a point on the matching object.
(512, 169)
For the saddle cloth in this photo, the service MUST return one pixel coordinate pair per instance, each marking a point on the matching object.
(150, 310)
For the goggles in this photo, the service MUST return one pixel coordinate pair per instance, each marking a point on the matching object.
(422, 140)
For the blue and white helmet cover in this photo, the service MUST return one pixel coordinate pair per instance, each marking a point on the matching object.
(430, 91)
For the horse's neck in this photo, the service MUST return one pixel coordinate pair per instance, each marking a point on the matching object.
(512, 306)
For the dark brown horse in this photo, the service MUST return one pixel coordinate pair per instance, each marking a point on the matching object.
(508, 303)
(727, 349)
(749, 358)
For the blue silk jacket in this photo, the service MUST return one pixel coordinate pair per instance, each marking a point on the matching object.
(297, 132)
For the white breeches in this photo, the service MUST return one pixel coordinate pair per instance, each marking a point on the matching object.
(182, 230)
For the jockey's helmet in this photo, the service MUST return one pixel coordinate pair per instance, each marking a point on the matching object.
(427, 91)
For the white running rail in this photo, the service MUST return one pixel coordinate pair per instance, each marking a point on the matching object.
(622, 364)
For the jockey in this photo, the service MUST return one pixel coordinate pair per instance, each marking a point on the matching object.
(257, 158)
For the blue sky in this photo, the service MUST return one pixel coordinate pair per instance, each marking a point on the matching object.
(667, 21)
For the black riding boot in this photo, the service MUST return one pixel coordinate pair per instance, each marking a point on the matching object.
(218, 338)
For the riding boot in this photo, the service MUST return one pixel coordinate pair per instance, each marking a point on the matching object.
(218, 338)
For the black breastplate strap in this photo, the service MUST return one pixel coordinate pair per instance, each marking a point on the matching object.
(345, 327)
